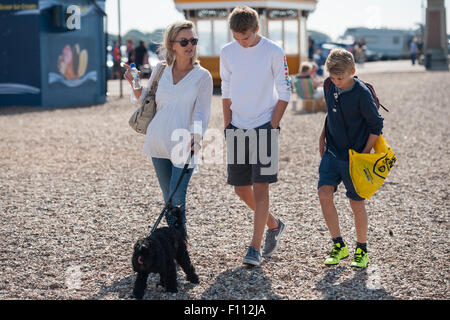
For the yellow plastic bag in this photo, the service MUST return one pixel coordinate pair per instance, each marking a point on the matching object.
(369, 170)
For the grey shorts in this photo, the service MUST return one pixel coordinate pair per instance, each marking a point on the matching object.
(252, 154)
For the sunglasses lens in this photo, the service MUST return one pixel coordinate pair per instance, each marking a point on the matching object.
(184, 42)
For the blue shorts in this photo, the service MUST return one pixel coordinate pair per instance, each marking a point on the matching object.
(333, 171)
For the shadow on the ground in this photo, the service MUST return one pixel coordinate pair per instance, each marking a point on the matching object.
(361, 287)
(241, 283)
(123, 289)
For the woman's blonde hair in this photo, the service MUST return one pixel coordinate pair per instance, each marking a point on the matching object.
(340, 61)
(170, 35)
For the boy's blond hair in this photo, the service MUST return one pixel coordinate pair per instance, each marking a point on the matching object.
(340, 61)
(243, 19)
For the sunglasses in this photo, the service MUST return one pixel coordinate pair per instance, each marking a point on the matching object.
(184, 42)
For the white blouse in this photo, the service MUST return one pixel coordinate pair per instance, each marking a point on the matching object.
(182, 109)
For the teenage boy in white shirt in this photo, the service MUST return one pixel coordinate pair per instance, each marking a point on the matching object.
(256, 90)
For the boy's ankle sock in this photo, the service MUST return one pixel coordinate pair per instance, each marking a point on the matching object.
(339, 240)
(362, 246)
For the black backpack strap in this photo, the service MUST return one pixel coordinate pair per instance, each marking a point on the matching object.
(384, 107)
(374, 95)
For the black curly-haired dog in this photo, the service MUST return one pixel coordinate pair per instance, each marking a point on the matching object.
(159, 253)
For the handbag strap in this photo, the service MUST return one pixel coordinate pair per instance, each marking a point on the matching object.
(156, 79)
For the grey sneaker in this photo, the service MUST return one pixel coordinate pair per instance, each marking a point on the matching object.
(272, 240)
(253, 257)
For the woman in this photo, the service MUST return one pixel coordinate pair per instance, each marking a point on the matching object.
(183, 99)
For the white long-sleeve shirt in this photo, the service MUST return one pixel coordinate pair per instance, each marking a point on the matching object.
(254, 78)
(185, 105)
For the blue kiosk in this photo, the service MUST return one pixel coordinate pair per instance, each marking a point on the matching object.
(52, 53)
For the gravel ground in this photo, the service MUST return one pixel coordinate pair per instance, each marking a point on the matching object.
(75, 195)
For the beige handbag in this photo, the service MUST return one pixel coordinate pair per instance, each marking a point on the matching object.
(141, 118)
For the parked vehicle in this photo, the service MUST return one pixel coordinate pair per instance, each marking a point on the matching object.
(383, 43)
(326, 47)
(372, 55)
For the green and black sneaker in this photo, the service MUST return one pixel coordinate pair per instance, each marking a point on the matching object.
(360, 259)
(337, 254)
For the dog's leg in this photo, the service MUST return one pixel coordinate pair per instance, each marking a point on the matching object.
(162, 281)
(185, 262)
(169, 277)
(140, 285)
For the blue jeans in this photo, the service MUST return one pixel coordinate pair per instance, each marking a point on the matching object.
(168, 176)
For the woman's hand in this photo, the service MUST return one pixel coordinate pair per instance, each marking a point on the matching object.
(127, 75)
(195, 143)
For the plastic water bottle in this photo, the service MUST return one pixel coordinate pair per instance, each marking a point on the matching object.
(135, 74)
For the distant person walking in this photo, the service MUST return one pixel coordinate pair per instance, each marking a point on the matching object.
(356, 50)
(183, 100)
(311, 48)
(141, 55)
(362, 52)
(116, 61)
(414, 51)
(130, 51)
(359, 50)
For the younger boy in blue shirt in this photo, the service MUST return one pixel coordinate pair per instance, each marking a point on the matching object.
(352, 122)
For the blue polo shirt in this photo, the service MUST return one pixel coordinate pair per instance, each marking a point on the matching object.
(357, 108)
